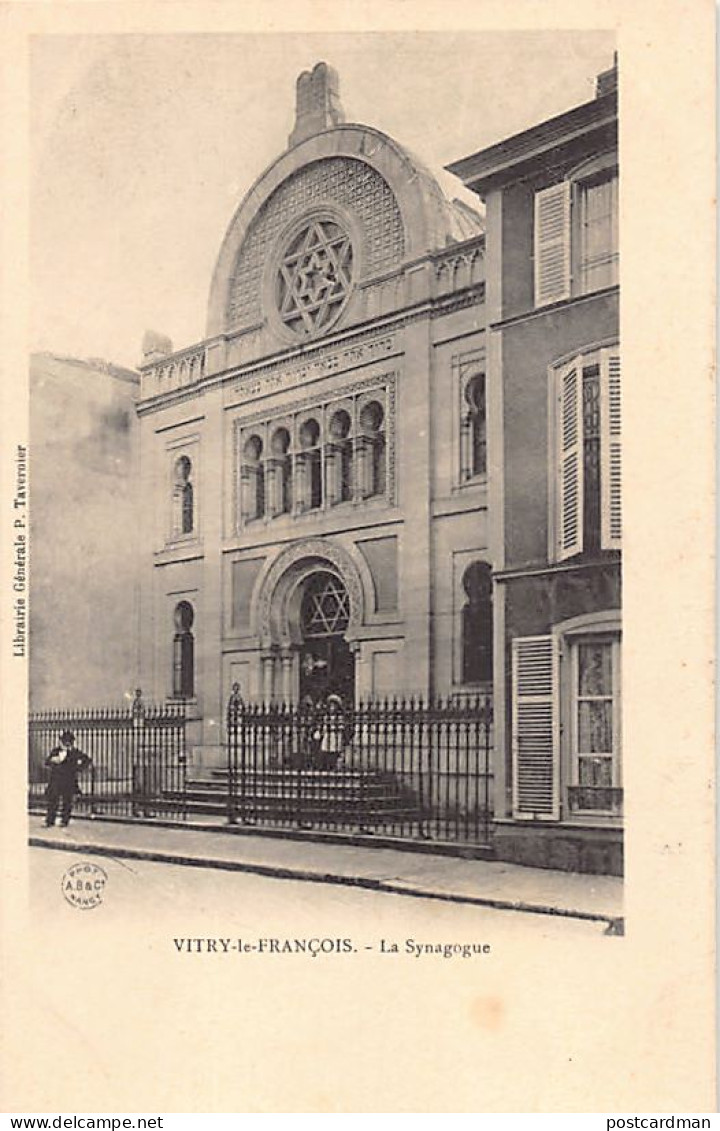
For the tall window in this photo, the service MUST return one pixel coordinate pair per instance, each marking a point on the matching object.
(595, 678)
(566, 732)
(371, 450)
(339, 458)
(281, 501)
(588, 455)
(253, 478)
(310, 488)
(473, 452)
(591, 457)
(477, 624)
(183, 505)
(597, 202)
(576, 246)
(184, 651)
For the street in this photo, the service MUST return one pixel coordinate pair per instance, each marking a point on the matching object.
(214, 902)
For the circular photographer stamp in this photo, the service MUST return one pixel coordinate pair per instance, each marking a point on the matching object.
(83, 885)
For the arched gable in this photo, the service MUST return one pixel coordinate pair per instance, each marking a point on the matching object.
(392, 207)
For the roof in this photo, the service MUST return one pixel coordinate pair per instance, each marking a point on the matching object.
(521, 153)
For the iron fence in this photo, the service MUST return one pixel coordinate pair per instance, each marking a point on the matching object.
(412, 769)
(409, 768)
(138, 758)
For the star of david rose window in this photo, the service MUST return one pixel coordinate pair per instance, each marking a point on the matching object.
(314, 278)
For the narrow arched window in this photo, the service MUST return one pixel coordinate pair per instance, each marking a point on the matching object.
(372, 449)
(474, 424)
(310, 465)
(339, 458)
(477, 624)
(282, 476)
(183, 504)
(253, 478)
(184, 651)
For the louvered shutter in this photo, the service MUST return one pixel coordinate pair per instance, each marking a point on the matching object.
(610, 450)
(534, 729)
(552, 244)
(569, 493)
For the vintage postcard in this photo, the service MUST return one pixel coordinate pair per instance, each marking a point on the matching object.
(358, 597)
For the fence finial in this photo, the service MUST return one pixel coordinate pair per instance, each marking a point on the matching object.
(138, 706)
(235, 704)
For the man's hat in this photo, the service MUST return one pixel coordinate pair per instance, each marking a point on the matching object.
(67, 736)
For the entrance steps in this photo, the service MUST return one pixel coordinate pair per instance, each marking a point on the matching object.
(341, 795)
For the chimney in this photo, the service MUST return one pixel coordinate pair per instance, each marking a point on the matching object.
(607, 81)
(318, 105)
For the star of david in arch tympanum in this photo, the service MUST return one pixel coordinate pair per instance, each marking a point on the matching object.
(315, 277)
(326, 606)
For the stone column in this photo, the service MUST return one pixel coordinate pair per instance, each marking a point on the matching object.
(248, 485)
(301, 484)
(333, 473)
(177, 511)
(208, 627)
(356, 650)
(497, 240)
(286, 663)
(273, 487)
(415, 430)
(363, 467)
(268, 676)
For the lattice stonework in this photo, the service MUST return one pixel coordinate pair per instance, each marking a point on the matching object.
(341, 180)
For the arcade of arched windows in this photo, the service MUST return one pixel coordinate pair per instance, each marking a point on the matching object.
(316, 459)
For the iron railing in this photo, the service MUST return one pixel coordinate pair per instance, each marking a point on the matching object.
(138, 758)
(408, 768)
(411, 769)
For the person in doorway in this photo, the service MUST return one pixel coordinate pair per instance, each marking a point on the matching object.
(332, 732)
(65, 763)
(308, 754)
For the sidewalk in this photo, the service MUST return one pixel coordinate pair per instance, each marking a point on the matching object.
(482, 882)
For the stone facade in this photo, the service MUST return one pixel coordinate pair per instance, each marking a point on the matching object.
(393, 465)
(314, 473)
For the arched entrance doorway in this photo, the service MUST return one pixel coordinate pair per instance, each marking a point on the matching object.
(327, 665)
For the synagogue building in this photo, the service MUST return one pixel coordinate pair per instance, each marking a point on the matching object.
(316, 469)
(393, 465)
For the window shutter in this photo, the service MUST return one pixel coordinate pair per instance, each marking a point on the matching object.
(569, 519)
(534, 729)
(610, 451)
(552, 244)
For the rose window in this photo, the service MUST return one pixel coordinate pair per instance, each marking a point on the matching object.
(315, 277)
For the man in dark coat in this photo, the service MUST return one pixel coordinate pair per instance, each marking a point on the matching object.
(64, 762)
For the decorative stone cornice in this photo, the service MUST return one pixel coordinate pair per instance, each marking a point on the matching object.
(328, 353)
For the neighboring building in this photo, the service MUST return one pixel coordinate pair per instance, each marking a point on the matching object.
(83, 564)
(553, 374)
(314, 473)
